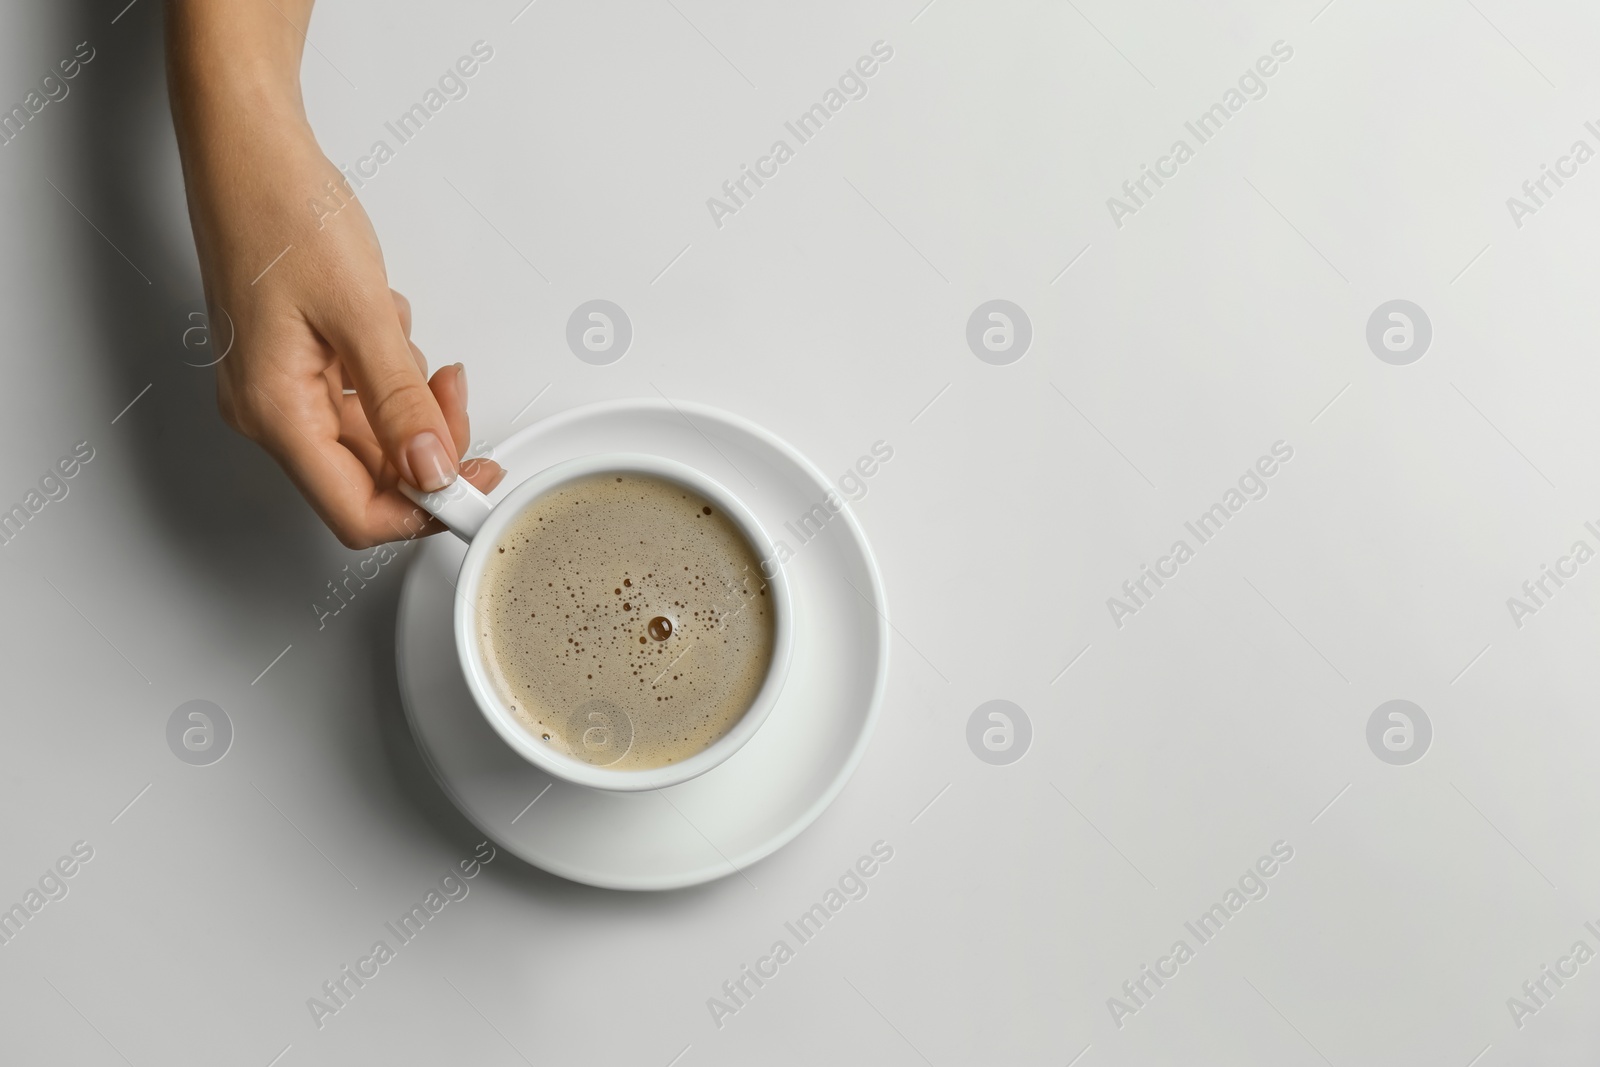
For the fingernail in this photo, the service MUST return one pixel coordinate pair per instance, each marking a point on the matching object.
(431, 466)
(461, 382)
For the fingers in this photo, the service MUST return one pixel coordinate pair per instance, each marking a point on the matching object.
(450, 389)
(383, 364)
(402, 306)
(356, 435)
(484, 474)
(343, 451)
(341, 373)
(298, 424)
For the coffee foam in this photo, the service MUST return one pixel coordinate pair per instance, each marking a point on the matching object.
(624, 620)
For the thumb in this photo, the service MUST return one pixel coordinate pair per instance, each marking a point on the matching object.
(404, 415)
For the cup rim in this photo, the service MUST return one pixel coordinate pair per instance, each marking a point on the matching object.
(504, 722)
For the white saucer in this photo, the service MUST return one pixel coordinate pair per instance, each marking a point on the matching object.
(767, 792)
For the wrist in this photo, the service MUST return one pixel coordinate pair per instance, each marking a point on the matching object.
(213, 105)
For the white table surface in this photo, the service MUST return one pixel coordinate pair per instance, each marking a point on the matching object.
(1168, 354)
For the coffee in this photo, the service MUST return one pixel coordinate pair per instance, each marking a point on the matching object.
(624, 620)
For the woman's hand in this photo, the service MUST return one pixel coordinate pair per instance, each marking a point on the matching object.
(321, 371)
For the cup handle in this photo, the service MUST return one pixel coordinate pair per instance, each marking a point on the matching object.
(458, 505)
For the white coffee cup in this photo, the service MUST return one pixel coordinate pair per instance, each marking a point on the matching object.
(471, 516)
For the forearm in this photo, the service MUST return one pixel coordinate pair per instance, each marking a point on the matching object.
(233, 73)
(227, 54)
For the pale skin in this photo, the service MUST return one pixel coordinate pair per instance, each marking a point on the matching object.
(322, 373)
